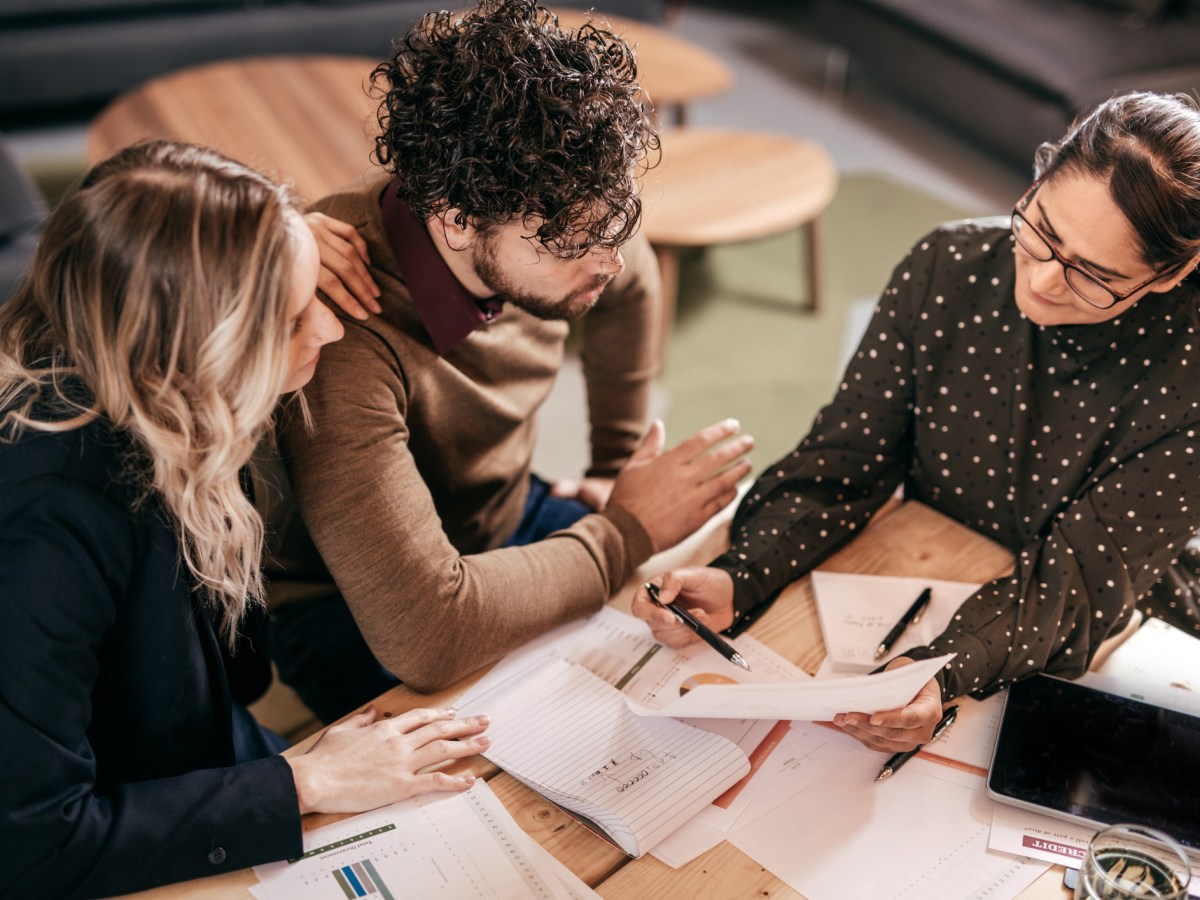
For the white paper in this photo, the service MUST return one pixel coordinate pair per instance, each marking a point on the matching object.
(972, 737)
(857, 611)
(436, 845)
(840, 836)
(1157, 664)
(620, 649)
(817, 700)
(571, 737)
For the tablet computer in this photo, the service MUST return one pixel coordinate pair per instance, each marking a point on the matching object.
(1088, 756)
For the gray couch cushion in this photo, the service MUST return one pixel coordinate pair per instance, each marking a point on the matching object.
(1059, 48)
(17, 10)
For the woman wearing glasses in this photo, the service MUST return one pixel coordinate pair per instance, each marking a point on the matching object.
(170, 302)
(1036, 382)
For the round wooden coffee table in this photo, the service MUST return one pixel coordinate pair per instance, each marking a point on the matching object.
(720, 186)
(308, 120)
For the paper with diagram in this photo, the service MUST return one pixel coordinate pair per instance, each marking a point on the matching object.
(436, 845)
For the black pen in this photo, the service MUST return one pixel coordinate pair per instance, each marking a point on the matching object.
(912, 617)
(706, 634)
(896, 760)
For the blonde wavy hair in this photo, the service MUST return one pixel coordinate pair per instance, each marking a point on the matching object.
(157, 300)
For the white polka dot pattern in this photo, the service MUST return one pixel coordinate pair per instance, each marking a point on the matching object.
(1074, 446)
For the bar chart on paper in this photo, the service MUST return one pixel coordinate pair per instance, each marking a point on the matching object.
(456, 845)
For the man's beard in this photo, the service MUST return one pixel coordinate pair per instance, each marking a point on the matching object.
(568, 308)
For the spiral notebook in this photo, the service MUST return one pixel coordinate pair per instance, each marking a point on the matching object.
(571, 737)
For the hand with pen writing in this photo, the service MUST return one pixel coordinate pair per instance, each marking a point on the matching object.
(896, 730)
(706, 593)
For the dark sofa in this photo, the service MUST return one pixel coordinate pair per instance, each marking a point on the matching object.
(1011, 73)
(67, 56)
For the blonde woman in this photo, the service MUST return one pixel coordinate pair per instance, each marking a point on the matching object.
(170, 303)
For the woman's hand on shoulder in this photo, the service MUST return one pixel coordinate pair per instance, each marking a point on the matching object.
(345, 277)
(897, 730)
(366, 762)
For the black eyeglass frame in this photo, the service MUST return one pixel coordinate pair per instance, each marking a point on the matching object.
(1068, 266)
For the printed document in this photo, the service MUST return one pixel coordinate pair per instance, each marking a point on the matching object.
(834, 834)
(435, 845)
(810, 701)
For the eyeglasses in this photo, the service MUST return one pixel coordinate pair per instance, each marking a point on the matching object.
(1085, 285)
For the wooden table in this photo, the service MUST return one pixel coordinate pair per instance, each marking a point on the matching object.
(910, 540)
(673, 71)
(310, 119)
(304, 119)
(720, 186)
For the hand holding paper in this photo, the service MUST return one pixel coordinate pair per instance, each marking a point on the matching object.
(897, 730)
(808, 701)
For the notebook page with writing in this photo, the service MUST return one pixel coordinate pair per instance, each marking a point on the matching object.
(571, 737)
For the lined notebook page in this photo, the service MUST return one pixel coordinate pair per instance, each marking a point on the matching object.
(571, 737)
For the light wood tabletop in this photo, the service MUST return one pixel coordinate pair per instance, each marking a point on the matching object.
(311, 120)
(306, 120)
(909, 540)
(673, 71)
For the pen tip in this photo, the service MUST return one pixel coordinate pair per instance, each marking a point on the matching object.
(884, 774)
(880, 651)
(741, 661)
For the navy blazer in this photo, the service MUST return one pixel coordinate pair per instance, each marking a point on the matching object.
(117, 761)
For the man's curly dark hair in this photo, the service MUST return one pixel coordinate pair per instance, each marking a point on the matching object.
(502, 115)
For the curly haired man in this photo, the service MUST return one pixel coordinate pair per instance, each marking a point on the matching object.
(506, 205)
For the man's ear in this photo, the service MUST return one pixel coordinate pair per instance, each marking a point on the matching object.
(444, 226)
(1169, 284)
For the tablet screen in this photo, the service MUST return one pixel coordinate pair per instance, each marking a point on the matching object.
(1075, 752)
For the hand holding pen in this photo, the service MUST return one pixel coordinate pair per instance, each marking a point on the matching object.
(896, 760)
(705, 633)
(911, 617)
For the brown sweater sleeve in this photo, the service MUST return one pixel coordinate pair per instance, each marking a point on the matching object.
(621, 356)
(429, 614)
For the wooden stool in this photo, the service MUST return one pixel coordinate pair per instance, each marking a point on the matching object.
(718, 186)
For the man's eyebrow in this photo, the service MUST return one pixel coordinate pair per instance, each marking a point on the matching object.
(1095, 267)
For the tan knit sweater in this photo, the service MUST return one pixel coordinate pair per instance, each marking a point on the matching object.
(418, 469)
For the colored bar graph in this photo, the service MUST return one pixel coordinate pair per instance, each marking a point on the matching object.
(343, 884)
(379, 885)
(354, 882)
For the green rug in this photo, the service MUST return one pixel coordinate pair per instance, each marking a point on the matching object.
(742, 346)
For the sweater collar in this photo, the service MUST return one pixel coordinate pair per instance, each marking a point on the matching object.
(448, 310)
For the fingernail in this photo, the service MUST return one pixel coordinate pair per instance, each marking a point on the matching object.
(733, 423)
(468, 780)
(839, 720)
(482, 740)
(450, 711)
(483, 720)
(875, 720)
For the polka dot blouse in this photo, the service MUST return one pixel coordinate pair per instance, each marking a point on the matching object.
(1073, 446)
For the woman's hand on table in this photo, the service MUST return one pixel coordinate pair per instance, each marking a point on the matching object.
(705, 592)
(366, 762)
(345, 277)
(897, 730)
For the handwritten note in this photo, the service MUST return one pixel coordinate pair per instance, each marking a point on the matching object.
(857, 611)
